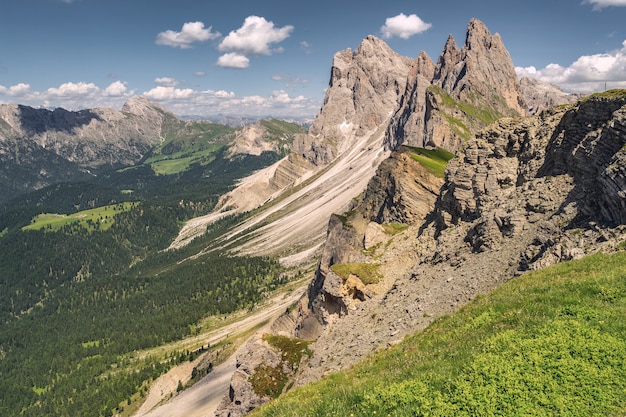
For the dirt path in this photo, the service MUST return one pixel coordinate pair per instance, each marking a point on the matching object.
(203, 398)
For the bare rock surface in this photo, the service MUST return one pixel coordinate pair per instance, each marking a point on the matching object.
(539, 95)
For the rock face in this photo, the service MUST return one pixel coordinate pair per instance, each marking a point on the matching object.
(365, 86)
(522, 194)
(377, 101)
(467, 89)
(539, 95)
(39, 147)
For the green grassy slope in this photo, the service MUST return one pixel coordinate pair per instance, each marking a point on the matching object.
(434, 160)
(549, 343)
(101, 218)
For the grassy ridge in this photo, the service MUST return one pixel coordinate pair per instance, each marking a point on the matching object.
(552, 342)
(434, 160)
(104, 217)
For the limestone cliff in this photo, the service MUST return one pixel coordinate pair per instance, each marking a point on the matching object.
(467, 89)
(522, 194)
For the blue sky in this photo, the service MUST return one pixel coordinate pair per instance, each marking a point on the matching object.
(273, 58)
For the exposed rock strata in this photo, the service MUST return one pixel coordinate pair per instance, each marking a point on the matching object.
(523, 194)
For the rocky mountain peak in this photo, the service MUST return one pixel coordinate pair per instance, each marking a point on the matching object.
(478, 35)
(448, 58)
(424, 65)
(484, 67)
(141, 105)
(364, 90)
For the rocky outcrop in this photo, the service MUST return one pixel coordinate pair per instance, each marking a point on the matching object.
(377, 101)
(402, 191)
(467, 89)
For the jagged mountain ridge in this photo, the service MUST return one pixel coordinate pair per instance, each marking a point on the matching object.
(525, 193)
(518, 196)
(376, 101)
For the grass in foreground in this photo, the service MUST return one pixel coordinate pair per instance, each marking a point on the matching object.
(549, 343)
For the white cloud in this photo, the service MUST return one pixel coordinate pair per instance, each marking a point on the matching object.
(168, 93)
(70, 89)
(600, 4)
(255, 37)
(166, 81)
(200, 74)
(190, 33)
(587, 74)
(403, 26)
(115, 89)
(233, 60)
(18, 90)
(181, 101)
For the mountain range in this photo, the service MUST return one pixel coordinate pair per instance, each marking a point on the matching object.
(420, 186)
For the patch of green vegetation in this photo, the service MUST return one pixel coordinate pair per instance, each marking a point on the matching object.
(394, 228)
(292, 349)
(272, 381)
(93, 343)
(434, 160)
(551, 342)
(345, 218)
(609, 94)
(368, 273)
(194, 143)
(281, 132)
(483, 112)
(101, 218)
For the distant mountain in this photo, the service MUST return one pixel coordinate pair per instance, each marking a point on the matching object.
(539, 95)
(41, 147)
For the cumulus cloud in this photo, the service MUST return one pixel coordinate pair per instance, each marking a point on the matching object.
(255, 37)
(601, 4)
(403, 26)
(233, 60)
(71, 89)
(190, 33)
(18, 90)
(168, 93)
(585, 75)
(115, 89)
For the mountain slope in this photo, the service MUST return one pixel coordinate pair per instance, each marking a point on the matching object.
(523, 194)
(549, 343)
(376, 100)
